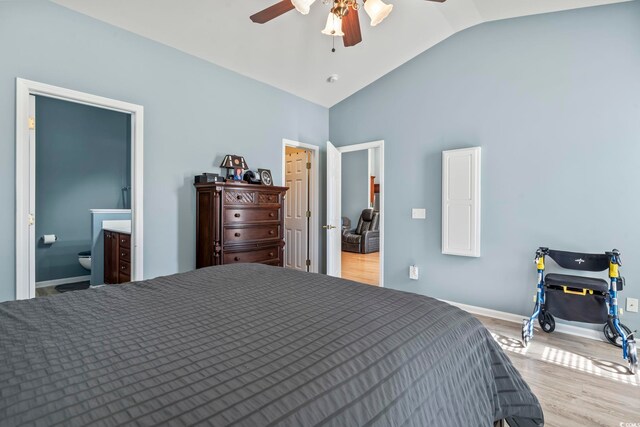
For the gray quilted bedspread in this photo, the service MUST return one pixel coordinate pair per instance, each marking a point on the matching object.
(252, 345)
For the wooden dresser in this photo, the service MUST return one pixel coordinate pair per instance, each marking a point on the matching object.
(238, 223)
(117, 257)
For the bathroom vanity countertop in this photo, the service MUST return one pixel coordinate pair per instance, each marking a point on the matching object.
(118, 229)
(117, 226)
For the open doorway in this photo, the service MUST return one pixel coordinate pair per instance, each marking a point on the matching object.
(300, 175)
(82, 165)
(360, 220)
(355, 212)
(78, 173)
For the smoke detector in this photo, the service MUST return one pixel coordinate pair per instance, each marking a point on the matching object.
(332, 78)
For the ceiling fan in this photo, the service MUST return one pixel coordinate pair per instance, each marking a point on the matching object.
(343, 18)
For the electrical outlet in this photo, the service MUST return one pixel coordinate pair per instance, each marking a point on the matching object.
(418, 213)
(632, 305)
(413, 272)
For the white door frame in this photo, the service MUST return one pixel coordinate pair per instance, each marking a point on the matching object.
(25, 259)
(367, 146)
(314, 191)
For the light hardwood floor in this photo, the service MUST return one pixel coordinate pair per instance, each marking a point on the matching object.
(363, 268)
(579, 382)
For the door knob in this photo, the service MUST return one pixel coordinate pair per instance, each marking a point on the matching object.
(328, 227)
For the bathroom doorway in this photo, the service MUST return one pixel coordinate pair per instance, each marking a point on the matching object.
(78, 170)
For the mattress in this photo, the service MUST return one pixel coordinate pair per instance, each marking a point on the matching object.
(252, 345)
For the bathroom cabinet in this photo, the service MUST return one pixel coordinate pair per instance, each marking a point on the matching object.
(238, 223)
(117, 257)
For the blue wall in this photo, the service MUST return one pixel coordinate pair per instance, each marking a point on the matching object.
(554, 101)
(195, 112)
(81, 164)
(355, 176)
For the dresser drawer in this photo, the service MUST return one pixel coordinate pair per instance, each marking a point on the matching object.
(124, 278)
(236, 216)
(268, 198)
(239, 197)
(125, 254)
(255, 255)
(124, 240)
(263, 232)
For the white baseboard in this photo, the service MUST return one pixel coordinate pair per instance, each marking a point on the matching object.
(57, 282)
(517, 318)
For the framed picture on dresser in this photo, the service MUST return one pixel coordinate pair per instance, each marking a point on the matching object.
(265, 176)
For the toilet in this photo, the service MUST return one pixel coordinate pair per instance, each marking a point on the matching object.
(84, 258)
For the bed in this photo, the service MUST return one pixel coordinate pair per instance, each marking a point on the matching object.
(253, 345)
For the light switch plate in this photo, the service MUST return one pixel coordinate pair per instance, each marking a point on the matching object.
(413, 272)
(418, 213)
(632, 305)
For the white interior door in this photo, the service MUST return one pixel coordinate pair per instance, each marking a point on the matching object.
(296, 220)
(334, 198)
(32, 196)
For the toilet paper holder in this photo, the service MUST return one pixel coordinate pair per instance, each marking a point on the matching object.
(49, 239)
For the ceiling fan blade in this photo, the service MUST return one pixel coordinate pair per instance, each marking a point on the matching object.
(351, 28)
(271, 12)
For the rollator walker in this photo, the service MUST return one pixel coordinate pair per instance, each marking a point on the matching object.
(581, 299)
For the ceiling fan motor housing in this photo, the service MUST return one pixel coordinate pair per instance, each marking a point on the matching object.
(341, 7)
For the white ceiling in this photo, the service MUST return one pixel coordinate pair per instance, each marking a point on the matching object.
(289, 52)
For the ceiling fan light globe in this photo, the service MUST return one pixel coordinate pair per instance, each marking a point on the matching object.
(302, 6)
(377, 10)
(334, 26)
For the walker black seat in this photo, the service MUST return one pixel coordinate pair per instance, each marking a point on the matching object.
(576, 282)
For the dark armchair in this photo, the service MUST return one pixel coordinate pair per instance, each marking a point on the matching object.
(366, 237)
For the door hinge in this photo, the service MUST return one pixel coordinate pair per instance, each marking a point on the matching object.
(308, 214)
(32, 123)
(32, 219)
(308, 263)
(308, 165)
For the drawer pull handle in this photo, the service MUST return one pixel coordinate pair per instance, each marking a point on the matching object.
(238, 197)
(271, 214)
(122, 254)
(271, 232)
(122, 267)
(237, 234)
(236, 259)
(237, 215)
(270, 254)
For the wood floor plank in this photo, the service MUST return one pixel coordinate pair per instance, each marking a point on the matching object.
(579, 382)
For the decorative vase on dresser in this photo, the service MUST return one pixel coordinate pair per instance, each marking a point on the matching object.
(238, 223)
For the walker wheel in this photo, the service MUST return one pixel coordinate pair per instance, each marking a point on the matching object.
(613, 337)
(633, 357)
(525, 334)
(547, 322)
